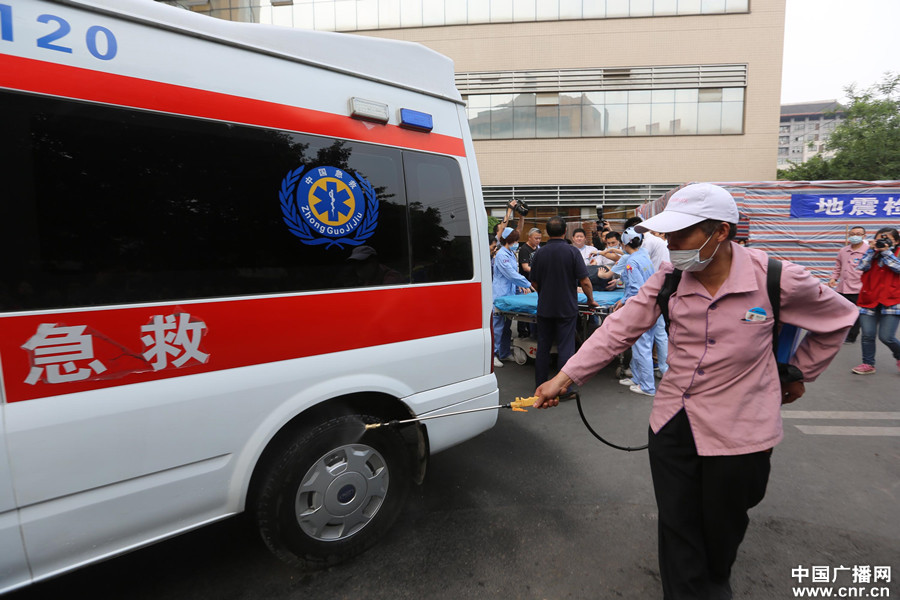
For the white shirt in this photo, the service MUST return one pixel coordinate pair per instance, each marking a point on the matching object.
(606, 262)
(657, 248)
(586, 252)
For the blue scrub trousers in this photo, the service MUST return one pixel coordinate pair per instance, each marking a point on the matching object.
(502, 336)
(642, 356)
(642, 362)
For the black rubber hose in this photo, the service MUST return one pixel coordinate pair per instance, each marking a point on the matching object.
(600, 437)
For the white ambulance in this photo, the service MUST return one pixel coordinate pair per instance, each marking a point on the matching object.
(226, 248)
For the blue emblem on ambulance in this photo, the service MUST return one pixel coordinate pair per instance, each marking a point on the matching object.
(327, 205)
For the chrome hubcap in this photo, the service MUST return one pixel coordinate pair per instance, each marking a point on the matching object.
(341, 492)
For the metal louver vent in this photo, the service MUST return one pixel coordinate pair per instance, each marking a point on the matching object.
(603, 79)
(576, 195)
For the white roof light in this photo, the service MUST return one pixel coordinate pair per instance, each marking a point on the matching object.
(368, 110)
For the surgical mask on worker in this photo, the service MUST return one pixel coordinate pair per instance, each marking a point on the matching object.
(689, 260)
(514, 247)
(855, 239)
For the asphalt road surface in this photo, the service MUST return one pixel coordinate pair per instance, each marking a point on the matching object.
(538, 509)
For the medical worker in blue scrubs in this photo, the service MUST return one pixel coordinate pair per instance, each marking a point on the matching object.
(636, 268)
(506, 280)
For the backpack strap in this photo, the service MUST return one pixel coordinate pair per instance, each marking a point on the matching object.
(773, 287)
(787, 372)
(670, 284)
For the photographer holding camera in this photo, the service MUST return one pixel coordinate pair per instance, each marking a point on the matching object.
(879, 298)
(513, 206)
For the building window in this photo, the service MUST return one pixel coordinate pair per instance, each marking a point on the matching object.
(607, 114)
(361, 15)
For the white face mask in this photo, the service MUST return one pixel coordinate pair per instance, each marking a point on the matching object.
(689, 260)
(855, 239)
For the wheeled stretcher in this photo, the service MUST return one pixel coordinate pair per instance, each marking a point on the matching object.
(523, 308)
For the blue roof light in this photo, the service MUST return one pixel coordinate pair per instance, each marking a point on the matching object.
(413, 119)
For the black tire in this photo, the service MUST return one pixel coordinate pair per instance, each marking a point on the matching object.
(333, 492)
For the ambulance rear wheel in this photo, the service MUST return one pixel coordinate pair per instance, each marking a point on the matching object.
(333, 492)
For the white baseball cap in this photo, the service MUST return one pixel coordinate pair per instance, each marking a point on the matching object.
(690, 205)
(629, 234)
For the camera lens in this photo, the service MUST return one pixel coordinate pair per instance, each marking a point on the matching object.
(522, 207)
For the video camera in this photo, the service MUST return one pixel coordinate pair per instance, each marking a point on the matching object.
(602, 223)
(521, 207)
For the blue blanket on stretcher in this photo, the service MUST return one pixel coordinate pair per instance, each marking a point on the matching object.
(527, 303)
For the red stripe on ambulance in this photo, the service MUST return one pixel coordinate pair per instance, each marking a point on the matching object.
(53, 360)
(41, 77)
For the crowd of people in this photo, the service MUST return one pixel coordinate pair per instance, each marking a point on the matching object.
(866, 272)
(716, 410)
(568, 265)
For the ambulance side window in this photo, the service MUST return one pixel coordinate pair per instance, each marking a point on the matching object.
(439, 219)
(108, 205)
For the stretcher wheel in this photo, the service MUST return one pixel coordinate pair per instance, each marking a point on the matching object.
(519, 355)
(620, 372)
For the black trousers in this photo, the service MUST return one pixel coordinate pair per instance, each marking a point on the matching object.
(854, 331)
(703, 503)
(550, 331)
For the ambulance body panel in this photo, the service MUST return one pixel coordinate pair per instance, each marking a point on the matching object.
(214, 268)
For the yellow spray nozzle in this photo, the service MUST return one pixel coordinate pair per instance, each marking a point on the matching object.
(519, 404)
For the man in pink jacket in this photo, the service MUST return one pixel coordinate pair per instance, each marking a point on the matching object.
(846, 279)
(717, 411)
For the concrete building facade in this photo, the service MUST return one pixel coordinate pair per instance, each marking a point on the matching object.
(804, 130)
(575, 103)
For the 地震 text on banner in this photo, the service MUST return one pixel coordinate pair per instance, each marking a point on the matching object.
(844, 206)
